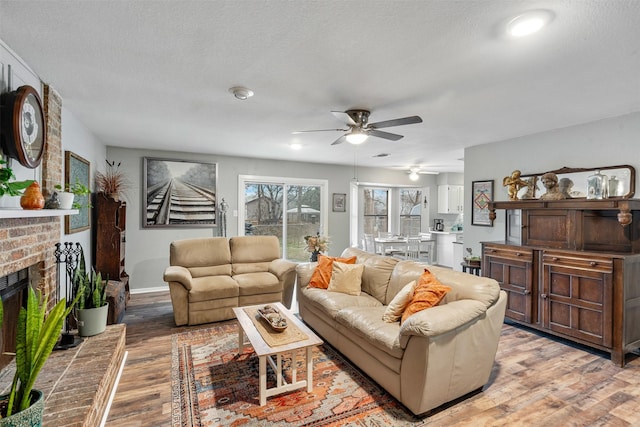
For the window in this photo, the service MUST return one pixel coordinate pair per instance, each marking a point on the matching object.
(410, 211)
(376, 210)
(284, 207)
(387, 208)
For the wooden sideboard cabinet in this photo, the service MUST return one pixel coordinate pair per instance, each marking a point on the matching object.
(109, 242)
(573, 270)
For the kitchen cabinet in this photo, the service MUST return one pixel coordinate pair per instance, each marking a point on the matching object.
(458, 255)
(444, 247)
(451, 199)
(575, 273)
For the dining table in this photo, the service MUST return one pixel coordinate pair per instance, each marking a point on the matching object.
(398, 245)
(389, 245)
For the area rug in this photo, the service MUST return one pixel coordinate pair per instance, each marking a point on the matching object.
(214, 386)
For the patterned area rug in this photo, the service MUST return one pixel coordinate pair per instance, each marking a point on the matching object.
(214, 386)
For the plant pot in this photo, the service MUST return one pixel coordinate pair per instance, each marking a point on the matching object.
(65, 199)
(92, 321)
(30, 417)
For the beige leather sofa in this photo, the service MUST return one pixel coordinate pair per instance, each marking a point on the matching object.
(437, 355)
(209, 276)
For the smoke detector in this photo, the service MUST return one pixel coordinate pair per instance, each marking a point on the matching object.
(241, 93)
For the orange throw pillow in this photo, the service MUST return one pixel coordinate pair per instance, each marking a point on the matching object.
(322, 274)
(427, 293)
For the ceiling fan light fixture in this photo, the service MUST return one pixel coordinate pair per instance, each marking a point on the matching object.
(356, 137)
(241, 93)
(413, 176)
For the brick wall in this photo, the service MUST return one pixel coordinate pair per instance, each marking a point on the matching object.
(30, 242)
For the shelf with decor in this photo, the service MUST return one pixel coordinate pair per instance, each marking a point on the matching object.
(36, 213)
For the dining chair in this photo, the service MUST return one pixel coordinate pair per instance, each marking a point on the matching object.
(413, 248)
(427, 250)
(369, 243)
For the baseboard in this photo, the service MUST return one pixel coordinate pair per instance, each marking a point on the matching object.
(149, 290)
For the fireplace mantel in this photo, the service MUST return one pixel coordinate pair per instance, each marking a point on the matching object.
(37, 213)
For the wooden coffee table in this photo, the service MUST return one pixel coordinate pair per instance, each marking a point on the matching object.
(266, 353)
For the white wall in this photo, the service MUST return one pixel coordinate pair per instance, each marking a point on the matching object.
(147, 250)
(15, 73)
(607, 142)
(77, 138)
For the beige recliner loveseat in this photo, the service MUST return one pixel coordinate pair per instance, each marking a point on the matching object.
(436, 355)
(209, 276)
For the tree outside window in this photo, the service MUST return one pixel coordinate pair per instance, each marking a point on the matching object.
(410, 211)
(376, 210)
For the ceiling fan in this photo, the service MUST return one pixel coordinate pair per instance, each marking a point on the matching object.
(415, 172)
(359, 129)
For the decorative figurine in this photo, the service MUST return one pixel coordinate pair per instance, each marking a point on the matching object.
(550, 182)
(532, 186)
(565, 185)
(52, 202)
(224, 206)
(514, 183)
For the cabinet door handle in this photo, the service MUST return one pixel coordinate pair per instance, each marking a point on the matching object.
(555, 259)
(518, 254)
(527, 292)
(593, 263)
(490, 251)
(543, 296)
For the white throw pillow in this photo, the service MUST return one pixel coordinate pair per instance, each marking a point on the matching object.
(396, 307)
(346, 278)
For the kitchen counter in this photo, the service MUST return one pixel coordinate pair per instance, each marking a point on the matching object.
(446, 232)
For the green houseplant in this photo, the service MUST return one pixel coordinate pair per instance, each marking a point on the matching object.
(36, 335)
(7, 186)
(92, 308)
(80, 194)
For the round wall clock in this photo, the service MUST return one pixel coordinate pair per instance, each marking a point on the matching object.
(23, 126)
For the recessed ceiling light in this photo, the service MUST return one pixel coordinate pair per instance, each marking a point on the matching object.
(241, 93)
(528, 22)
(295, 146)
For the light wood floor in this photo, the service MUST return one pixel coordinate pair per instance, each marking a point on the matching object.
(536, 381)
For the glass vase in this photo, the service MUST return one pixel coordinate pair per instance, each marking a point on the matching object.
(597, 186)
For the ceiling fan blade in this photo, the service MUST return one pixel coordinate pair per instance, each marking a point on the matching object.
(396, 122)
(319, 130)
(385, 135)
(344, 117)
(340, 140)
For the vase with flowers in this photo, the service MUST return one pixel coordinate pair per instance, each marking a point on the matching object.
(316, 245)
(113, 182)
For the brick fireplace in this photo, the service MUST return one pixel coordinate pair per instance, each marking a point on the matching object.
(29, 242)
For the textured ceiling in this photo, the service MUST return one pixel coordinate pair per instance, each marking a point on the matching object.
(156, 74)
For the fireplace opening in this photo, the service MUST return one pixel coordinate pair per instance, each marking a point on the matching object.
(12, 292)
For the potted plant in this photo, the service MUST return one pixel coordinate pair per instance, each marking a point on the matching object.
(113, 182)
(70, 195)
(36, 335)
(9, 187)
(92, 308)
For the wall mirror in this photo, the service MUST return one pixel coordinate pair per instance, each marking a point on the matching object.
(622, 181)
